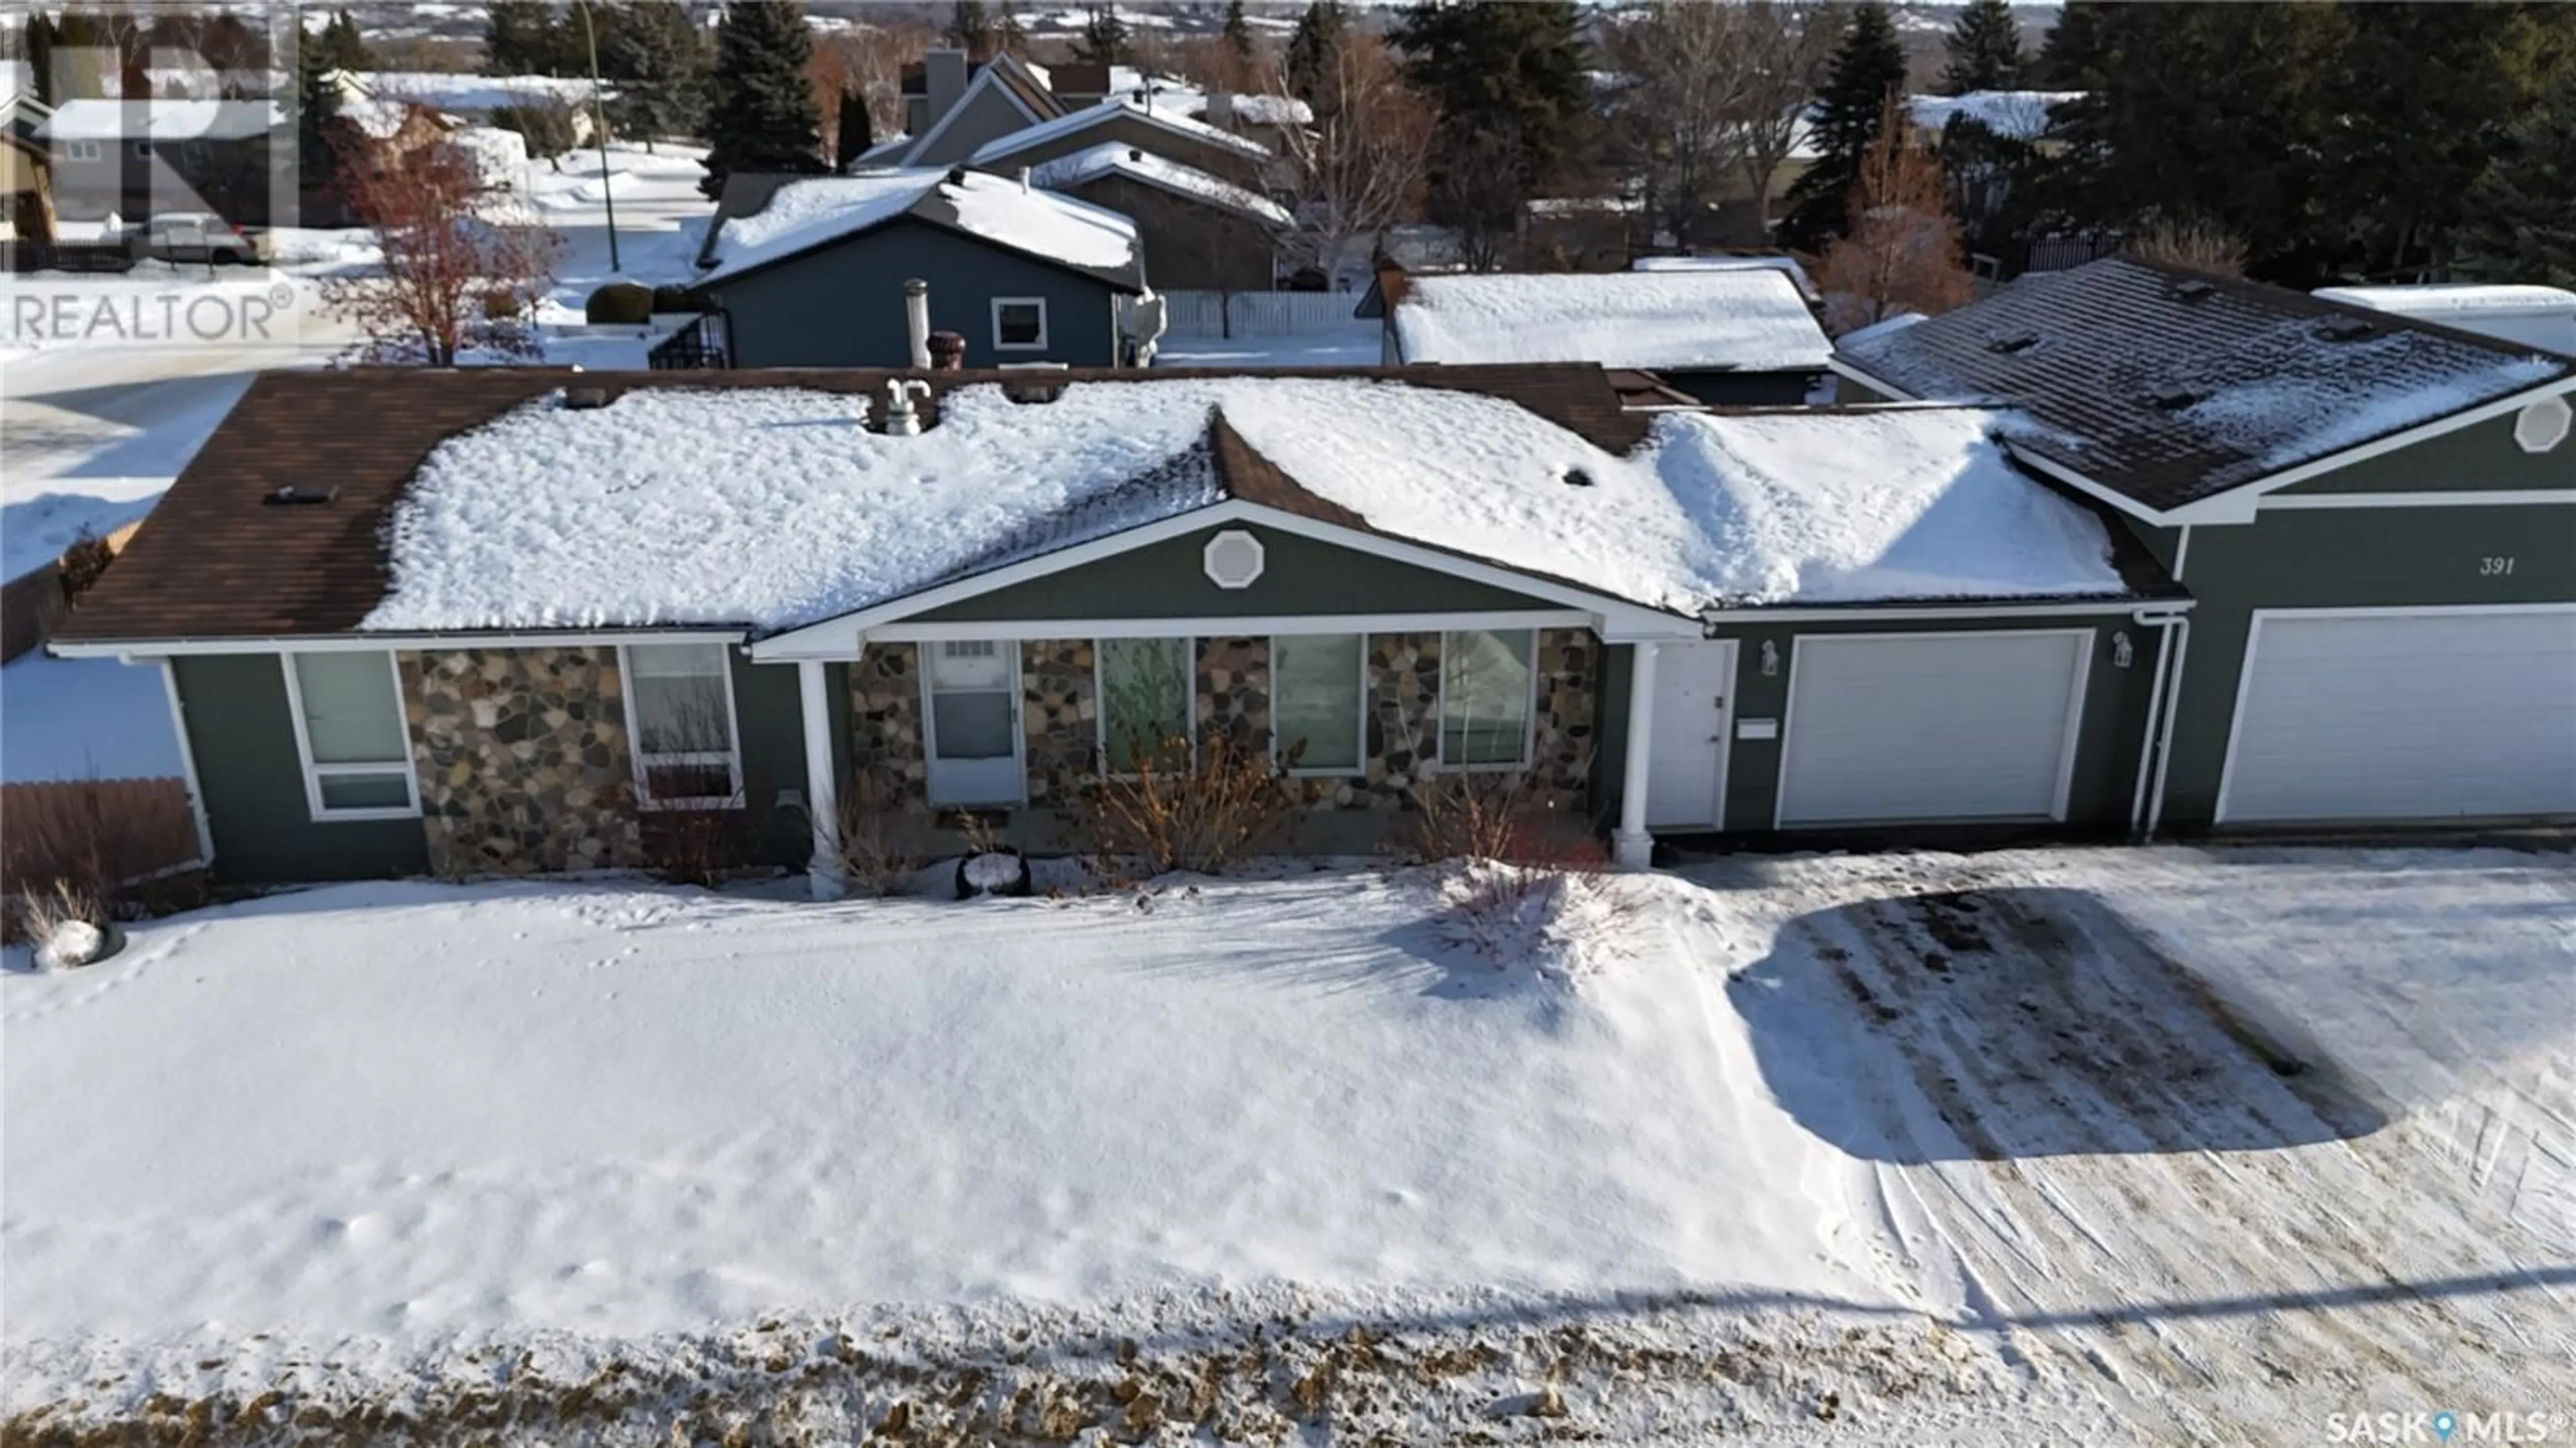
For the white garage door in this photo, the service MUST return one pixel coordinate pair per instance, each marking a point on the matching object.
(2387, 716)
(1895, 727)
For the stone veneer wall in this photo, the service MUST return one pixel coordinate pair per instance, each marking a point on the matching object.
(1232, 692)
(1060, 716)
(888, 764)
(1569, 686)
(523, 760)
(1403, 714)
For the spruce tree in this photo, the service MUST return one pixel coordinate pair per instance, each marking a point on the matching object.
(1312, 48)
(856, 132)
(1985, 50)
(1514, 70)
(2070, 56)
(1237, 32)
(1104, 36)
(520, 38)
(343, 48)
(970, 29)
(2520, 226)
(1868, 75)
(763, 117)
(658, 59)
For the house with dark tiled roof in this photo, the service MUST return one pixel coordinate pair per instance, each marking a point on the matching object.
(512, 620)
(2375, 513)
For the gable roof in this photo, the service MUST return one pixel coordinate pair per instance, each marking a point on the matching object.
(2165, 387)
(479, 500)
(801, 214)
(1026, 92)
(1160, 172)
(1073, 122)
(1749, 320)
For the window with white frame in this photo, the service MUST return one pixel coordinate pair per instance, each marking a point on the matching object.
(349, 733)
(1318, 701)
(1019, 324)
(1486, 679)
(80, 150)
(1144, 703)
(679, 702)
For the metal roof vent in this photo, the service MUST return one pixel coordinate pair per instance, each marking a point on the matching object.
(2192, 289)
(956, 175)
(2175, 399)
(583, 399)
(2017, 342)
(1577, 478)
(2345, 329)
(295, 496)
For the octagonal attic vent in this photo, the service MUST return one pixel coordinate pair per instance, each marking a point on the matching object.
(1233, 559)
(2543, 425)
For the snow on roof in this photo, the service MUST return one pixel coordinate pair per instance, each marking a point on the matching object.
(2021, 115)
(1269, 110)
(804, 214)
(675, 505)
(1097, 161)
(161, 120)
(2537, 315)
(1745, 320)
(1070, 122)
(2302, 404)
(1787, 265)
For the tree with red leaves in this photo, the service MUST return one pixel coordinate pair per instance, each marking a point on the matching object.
(1902, 250)
(463, 266)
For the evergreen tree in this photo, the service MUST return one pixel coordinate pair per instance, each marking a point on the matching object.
(521, 37)
(763, 117)
(317, 105)
(2069, 57)
(2421, 102)
(970, 29)
(1237, 32)
(1510, 79)
(658, 59)
(40, 55)
(857, 132)
(1868, 75)
(1311, 48)
(2520, 225)
(343, 48)
(1985, 50)
(1104, 36)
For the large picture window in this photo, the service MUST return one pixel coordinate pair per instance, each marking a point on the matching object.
(1144, 703)
(350, 736)
(1318, 698)
(1485, 684)
(679, 702)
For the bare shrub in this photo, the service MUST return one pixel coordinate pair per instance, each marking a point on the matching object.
(878, 854)
(68, 923)
(2189, 241)
(111, 844)
(1905, 252)
(83, 562)
(1499, 815)
(699, 844)
(1177, 812)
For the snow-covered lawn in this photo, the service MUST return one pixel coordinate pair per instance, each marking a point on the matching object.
(1357, 345)
(1926, 1147)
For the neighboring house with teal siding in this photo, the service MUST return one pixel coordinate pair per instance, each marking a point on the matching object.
(522, 620)
(2375, 514)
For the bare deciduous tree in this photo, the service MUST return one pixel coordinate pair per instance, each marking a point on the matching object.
(1676, 121)
(1362, 164)
(869, 62)
(1784, 47)
(463, 267)
(1903, 252)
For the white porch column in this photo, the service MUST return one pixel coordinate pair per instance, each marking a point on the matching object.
(822, 793)
(1634, 848)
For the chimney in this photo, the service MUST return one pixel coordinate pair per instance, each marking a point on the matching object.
(916, 320)
(947, 352)
(1220, 110)
(943, 77)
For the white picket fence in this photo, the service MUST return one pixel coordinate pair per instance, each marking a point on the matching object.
(1257, 314)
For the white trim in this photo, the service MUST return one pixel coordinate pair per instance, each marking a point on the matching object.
(188, 765)
(1360, 753)
(1019, 723)
(2331, 462)
(1717, 618)
(1617, 620)
(2253, 647)
(824, 875)
(1217, 626)
(2066, 748)
(369, 643)
(2487, 498)
(1100, 700)
(640, 761)
(982, 79)
(2182, 552)
(1633, 843)
(313, 772)
(2091, 489)
(2165, 731)
(1529, 712)
(1040, 344)
(2155, 706)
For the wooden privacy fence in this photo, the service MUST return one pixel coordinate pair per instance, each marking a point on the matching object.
(1257, 314)
(104, 831)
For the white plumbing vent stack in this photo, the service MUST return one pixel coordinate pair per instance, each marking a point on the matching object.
(902, 419)
(916, 320)
(1025, 182)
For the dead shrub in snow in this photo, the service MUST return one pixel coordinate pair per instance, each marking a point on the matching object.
(115, 845)
(2189, 241)
(878, 839)
(1179, 811)
(699, 844)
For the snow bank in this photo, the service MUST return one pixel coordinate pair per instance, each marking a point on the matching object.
(2019, 115)
(805, 214)
(552, 517)
(1748, 320)
(1094, 162)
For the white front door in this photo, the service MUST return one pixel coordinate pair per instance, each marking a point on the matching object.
(1694, 715)
(971, 695)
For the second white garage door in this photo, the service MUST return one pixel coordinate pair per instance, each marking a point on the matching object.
(2389, 715)
(1891, 728)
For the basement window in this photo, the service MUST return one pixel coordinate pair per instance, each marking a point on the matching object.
(1019, 324)
(682, 733)
(349, 735)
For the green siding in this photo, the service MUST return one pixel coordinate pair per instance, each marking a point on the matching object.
(2482, 457)
(243, 740)
(2341, 558)
(1299, 576)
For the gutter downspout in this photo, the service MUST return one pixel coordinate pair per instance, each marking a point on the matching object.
(2164, 740)
(2164, 625)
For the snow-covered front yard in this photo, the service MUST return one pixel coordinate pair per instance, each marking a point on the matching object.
(2096, 1144)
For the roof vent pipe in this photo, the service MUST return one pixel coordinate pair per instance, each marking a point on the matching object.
(1024, 181)
(901, 418)
(916, 320)
(947, 352)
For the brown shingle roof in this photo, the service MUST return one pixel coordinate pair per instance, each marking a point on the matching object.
(215, 561)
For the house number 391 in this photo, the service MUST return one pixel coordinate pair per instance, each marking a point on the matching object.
(2494, 567)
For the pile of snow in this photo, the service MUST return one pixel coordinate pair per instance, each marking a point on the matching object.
(1743, 320)
(1071, 122)
(667, 506)
(1112, 157)
(2015, 114)
(806, 214)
